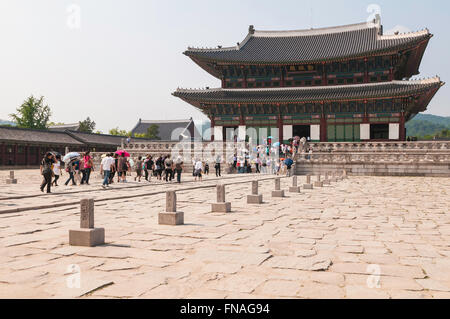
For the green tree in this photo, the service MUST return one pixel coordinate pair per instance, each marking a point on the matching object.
(153, 132)
(87, 126)
(119, 132)
(32, 114)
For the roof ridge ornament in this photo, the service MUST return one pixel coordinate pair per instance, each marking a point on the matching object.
(251, 29)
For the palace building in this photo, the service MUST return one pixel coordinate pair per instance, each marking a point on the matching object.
(340, 84)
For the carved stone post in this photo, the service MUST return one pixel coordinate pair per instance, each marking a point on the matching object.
(11, 179)
(221, 206)
(278, 192)
(87, 235)
(254, 198)
(294, 188)
(308, 184)
(171, 216)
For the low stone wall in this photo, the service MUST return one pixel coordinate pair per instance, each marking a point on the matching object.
(378, 169)
(394, 159)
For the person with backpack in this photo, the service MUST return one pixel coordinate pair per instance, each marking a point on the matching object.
(179, 168)
(168, 168)
(46, 169)
(70, 168)
(138, 167)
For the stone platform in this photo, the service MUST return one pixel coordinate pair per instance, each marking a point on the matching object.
(294, 247)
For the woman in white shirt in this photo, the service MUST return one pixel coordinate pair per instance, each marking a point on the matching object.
(57, 169)
(198, 169)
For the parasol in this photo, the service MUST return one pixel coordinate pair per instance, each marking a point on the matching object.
(120, 152)
(71, 156)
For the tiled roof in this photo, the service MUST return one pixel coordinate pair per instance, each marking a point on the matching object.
(63, 127)
(13, 134)
(307, 46)
(169, 130)
(303, 94)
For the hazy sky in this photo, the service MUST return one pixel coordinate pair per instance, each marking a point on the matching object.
(124, 58)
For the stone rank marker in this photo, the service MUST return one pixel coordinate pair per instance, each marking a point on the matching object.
(277, 192)
(171, 216)
(326, 181)
(254, 198)
(344, 174)
(11, 179)
(308, 184)
(318, 183)
(334, 179)
(221, 206)
(87, 235)
(294, 188)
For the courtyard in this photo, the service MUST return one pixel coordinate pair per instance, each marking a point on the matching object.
(362, 237)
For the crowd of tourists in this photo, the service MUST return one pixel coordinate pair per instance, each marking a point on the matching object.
(115, 167)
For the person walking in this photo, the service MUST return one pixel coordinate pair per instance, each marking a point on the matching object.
(113, 168)
(198, 170)
(159, 167)
(179, 168)
(148, 168)
(122, 168)
(71, 170)
(257, 164)
(46, 169)
(206, 168)
(82, 170)
(57, 169)
(106, 166)
(88, 167)
(139, 164)
(76, 172)
(168, 163)
(217, 166)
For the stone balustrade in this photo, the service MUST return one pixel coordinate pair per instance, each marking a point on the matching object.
(435, 155)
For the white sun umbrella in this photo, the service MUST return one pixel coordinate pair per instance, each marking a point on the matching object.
(71, 156)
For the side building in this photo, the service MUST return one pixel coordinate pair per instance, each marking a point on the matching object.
(338, 84)
(26, 147)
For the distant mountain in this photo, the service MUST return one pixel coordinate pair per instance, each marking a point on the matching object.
(427, 124)
(5, 122)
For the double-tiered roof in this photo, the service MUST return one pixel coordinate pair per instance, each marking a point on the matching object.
(327, 67)
(369, 91)
(310, 46)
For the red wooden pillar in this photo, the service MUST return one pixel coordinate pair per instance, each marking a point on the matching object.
(402, 132)
(212, 127)
(323, 125)
(366, 117)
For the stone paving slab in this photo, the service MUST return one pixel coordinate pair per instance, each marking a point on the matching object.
(364, 237)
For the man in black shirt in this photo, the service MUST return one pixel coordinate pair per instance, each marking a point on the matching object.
(47, 171)
(148, 168)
